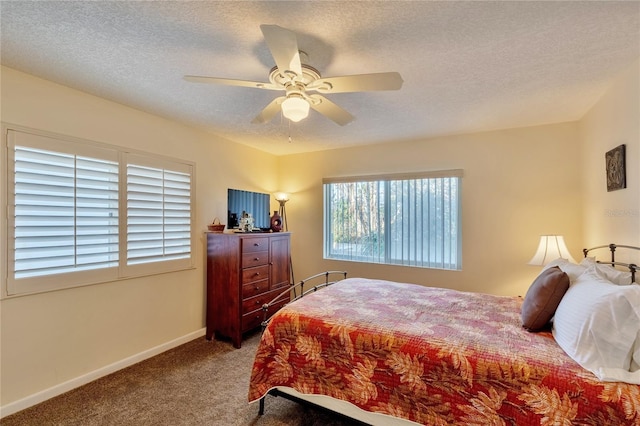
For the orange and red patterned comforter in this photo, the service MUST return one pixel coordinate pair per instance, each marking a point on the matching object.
(433, 356)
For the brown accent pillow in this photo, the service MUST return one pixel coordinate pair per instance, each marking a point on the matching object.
(543, 297)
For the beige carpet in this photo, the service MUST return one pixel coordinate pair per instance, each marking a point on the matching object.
(199, 383)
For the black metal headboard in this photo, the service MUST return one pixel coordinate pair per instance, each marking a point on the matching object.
(612, 248)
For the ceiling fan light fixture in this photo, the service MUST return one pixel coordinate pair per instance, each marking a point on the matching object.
(292, 74)
(295, 108)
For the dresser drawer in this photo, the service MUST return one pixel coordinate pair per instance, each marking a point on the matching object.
(253, 319)
(251, 259)
(255, 288)
(250, 245)
(258, 273)
(256, 302)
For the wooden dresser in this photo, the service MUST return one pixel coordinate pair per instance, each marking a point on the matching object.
(244, 271)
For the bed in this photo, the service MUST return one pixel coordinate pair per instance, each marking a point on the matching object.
(389, 353)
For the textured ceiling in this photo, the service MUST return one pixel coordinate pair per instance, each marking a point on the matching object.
(466, 66)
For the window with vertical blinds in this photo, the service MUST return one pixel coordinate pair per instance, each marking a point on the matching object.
(81, 213)
(406, 219)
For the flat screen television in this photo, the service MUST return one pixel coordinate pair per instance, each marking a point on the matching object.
(255, 203)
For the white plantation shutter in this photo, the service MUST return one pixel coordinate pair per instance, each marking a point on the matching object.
(158, 212)
(66, 213)
(64, 207)
(82, 213)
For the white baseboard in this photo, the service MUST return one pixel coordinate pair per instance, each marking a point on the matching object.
(36, 398)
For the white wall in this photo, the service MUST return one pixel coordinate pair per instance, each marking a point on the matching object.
(51, 338)
(612, 217)
(517, 185)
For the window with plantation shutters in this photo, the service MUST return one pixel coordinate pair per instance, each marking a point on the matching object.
(158, 211)
(66, 213)
(407, 219)
(82, 213)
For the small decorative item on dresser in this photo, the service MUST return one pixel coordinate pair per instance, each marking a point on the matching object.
(216, 227)
(276, 222)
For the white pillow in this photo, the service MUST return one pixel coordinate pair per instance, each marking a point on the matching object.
(573, 270)
(598, 325)
(608, 272)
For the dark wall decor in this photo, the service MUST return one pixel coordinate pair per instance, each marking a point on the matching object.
(616, 174)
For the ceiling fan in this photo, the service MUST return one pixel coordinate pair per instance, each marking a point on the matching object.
(303, 85)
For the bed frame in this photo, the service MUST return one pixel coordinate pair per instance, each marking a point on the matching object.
(304, 287)
(324, 279)
(633, 268)
(299, 290)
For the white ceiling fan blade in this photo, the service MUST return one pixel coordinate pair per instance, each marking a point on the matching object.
(358, 83)
(269, 111)
(231, 82)
(283, 45)
(325, 107)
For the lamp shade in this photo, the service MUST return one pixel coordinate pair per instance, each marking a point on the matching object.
(551, 247)
(295, 108)
(282, 196)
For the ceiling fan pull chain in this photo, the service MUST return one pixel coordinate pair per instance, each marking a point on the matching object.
(289, 131)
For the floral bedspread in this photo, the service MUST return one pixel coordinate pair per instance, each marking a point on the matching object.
(434, 356)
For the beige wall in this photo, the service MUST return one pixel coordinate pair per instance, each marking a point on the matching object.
(48, 339)
(517, 185)
(612, 217)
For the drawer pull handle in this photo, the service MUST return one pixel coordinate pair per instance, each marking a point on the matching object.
(256, 244)
(258, 302)
(256, 258)
(257, 288)
(256, 274)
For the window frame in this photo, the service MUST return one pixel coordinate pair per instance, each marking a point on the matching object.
(151, 268)
(385, 180)
(49, 141)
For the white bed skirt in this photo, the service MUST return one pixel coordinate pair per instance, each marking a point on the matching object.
(346, 408)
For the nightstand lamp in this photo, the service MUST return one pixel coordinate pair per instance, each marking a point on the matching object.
(551, 247)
